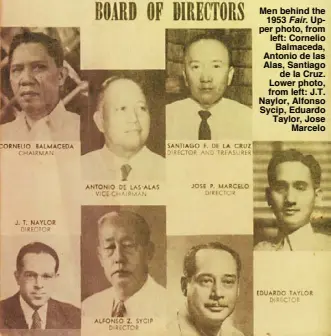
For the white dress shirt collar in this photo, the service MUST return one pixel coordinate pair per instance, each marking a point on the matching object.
(53, 120)
(114, 162)
(28, 312)
(133, 305)
(188, 328)
(300, 239)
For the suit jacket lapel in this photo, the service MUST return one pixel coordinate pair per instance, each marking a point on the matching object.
(55, 319)
(14, 316)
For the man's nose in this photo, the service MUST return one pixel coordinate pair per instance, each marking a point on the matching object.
(39, 281)
(217, 291)
(133, 114)
(118, 254)
(206, 75)
(291, 195)
(27, 76)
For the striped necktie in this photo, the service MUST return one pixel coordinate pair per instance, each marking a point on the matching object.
(119, 310)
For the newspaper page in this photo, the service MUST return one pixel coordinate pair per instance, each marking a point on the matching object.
(165, 168)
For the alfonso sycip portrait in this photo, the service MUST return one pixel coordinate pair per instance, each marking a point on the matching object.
(123, 256)
(291, 194)
(209, 84)
(124, 132)
(39, 83)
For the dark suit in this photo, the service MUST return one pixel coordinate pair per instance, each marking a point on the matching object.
(60, 315)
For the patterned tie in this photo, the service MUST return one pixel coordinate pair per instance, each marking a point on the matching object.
(119, 310)
(204, 129)
(36, 320)
(125, 169)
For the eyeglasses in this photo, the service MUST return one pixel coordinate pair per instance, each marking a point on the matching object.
(32, 276)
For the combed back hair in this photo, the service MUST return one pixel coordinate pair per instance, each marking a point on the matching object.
(189, 266)
(53, 46)
(292, 155)
(106, 84)
(129, 218)
(37, 248)
(209, 36)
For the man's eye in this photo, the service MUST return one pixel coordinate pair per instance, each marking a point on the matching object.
(128, 245)
(229, 282)
(15, 70)
(122, 108)
(301, 186)
(206, 281)
(47, 276)
(217, 66)
(143, 108)
(195, 66)
(39, 67)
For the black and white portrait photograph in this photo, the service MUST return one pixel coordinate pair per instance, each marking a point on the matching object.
(208, 84)
(123, 135)
(210, 284)
(42, 91)
(292, 208)
(123, 254)
(40, 283)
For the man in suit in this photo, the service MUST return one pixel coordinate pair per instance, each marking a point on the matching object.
(36, 73)
(125, 251)
(123, 117)
(210, 285)
(32, 307)
(293, 192)
(206, 114)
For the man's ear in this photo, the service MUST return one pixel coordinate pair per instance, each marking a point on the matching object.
(150, 251)
(267, 195)
(98, 119)
(17, 275)
(318, 196)
(63, 74)
(185, 78)
(183, 285)
(230, 75)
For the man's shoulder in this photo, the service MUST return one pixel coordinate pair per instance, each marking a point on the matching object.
(266, 245)
(11, 300)
(97, 297)
(236, 106)
(156, 157)
(64, 307)
(72, 115)
(178, 104)
(7, 130)
(91, 155)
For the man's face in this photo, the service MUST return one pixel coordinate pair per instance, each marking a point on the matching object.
(36, 278)
(126, 118)
(207, 71)
(123, 258)
(35, 79)
(212, 292)
(292, 195)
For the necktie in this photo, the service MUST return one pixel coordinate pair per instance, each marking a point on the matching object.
(125, 169)
(36, 320)
(119, 310)
(204, 129)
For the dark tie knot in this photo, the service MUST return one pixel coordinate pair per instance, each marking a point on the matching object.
(125, 169)
(204, 115)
